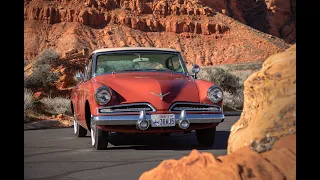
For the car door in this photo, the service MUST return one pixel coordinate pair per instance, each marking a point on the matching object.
(82, 90)
(77, 98)
(75, 101)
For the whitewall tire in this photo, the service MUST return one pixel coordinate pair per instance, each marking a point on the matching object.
(79, 131)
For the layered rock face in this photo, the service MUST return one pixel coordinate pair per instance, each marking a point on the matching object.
(262, 144)
(276, 17)
(203, 35)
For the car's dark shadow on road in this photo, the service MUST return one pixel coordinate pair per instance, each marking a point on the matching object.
(176, 141)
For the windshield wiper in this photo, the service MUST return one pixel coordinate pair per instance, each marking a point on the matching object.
(126, 70)
(156, 70)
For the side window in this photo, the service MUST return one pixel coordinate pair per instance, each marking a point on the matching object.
(88, 69)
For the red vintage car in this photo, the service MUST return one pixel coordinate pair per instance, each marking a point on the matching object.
(143, 90)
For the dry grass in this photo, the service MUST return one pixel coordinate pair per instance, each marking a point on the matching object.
(28, 99)
(26, 63)
(57, 105)
(233, 101)
(47, 56)
(243, 66)
(28, 102)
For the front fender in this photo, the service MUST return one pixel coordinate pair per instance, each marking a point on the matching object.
(203, 87)
(90, 97)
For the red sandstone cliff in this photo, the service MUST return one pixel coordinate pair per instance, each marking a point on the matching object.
(198, 29)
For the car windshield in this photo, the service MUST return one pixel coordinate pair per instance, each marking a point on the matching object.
(140, 61)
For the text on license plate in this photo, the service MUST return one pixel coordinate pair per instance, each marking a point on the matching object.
(163, 120)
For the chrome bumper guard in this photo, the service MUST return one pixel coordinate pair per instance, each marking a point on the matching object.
(133, 119)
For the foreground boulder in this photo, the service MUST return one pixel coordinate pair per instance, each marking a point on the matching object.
(262, 144)
(269, 110)
(279, 163)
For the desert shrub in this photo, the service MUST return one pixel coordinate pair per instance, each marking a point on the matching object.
(243, 75)
(28, 101)
(57, 105)
(203, 75)
(222, 77)
(233, 101)
(243, 66)
(47, 56)
(42, 76)
(26, 63)
(231, 79)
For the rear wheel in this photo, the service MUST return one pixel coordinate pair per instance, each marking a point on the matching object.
(206, 137)
(79, 131)
(99, 138)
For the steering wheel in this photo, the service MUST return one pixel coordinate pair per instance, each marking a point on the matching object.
(136, 66)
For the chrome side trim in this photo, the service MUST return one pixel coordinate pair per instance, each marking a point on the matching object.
(153, 109)
(132, 119)
(194, 109)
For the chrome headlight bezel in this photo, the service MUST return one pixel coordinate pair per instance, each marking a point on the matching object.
(211, 99)
(99, 90)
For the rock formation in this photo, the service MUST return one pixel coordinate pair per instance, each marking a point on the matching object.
(276, 17)
(278, 163)
(269, 110)
(187, 25)
(262, 144)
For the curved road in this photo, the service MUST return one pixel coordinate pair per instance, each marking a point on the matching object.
(57, 154)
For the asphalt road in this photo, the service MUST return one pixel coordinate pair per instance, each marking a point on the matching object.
(58, 154)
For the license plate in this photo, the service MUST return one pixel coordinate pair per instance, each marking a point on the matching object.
(163, 120)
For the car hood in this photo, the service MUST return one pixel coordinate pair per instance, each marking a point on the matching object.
(144, 87)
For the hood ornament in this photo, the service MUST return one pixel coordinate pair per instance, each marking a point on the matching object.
(160, 95)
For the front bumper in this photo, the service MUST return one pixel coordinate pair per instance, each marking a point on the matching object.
(132, 119)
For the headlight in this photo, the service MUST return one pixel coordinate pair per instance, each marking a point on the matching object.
(103, 95)
(215, 94)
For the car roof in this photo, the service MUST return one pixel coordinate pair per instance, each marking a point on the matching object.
(134, 48)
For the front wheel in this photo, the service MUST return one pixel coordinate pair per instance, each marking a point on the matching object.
(99, 138)
(206, 136)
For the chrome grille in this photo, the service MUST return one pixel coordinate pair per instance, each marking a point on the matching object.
(194, 107)
(124, 108)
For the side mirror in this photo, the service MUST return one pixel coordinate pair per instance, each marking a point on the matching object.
(79, 77)
(195, 69)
